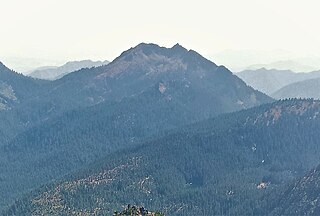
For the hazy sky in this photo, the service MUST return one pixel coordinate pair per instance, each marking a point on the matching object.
(61, 30)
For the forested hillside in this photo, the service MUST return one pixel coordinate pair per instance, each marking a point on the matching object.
(300, 198)
(81, 136)
(15, 90)
(223, 166)
(305, 89)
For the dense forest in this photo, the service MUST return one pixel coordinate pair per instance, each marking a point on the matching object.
(224, 166)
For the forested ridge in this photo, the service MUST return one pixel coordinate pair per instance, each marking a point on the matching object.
(223, 166)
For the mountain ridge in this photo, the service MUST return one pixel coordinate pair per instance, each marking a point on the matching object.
(57, 72)
(303, 89)
(270, 81)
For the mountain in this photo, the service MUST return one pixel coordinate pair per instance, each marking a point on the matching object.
(55, 72)
(90, 113)
(194, 82)
(292, 65)
(304, 89)
(147, 65)
(222, 166)
(271, 80)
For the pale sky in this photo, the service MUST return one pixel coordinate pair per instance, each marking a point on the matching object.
(63, 30)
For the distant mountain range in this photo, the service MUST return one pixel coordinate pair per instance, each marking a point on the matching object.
(25, 65)
(56, 72)
(68, 123)
(239, 60)
(284, 65)
(271, 81)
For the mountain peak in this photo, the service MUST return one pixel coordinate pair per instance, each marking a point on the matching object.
(152, 51)
(178, 47)
(156, 46)
(154, 59)
(146, 48)
(151, 48)
(147, 45)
